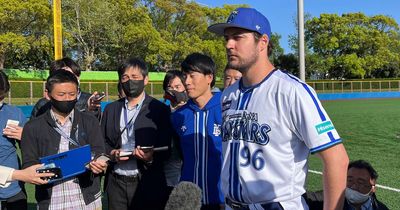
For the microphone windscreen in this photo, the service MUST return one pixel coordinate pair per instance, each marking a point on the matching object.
(185, 196)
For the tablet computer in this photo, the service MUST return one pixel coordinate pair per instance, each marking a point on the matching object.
(71, 162)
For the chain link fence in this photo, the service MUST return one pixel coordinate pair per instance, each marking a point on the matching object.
(29, 92)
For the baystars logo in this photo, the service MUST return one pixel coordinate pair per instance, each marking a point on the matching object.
(183, 128)
(217, 130)
(245, 127)
(232, 16)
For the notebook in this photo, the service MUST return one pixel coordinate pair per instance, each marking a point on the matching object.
(71, 162)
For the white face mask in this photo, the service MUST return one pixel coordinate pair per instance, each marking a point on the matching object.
(355, 197)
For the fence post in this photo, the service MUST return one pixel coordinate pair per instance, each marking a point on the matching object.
(342, 86)
(44, 88)
(370, 86)
(31, 91)
(351, 86)
(90, 87)
(107, 97)
(389, 85)
(323, 87)
(380, 86)
(361, 87)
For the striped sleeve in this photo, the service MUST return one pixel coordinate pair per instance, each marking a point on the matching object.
(311, 120)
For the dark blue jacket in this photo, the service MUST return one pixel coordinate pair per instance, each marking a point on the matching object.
(199, 132)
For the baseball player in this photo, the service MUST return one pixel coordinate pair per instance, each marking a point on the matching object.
(271, 122)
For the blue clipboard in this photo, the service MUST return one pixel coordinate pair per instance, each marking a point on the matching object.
(71, 162)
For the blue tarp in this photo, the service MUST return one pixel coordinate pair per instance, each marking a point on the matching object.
(364, 95)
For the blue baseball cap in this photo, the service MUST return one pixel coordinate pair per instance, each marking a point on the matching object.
(246, 18)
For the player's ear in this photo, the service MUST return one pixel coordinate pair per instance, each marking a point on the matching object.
(263, 42)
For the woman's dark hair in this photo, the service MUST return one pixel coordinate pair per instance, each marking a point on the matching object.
(4, 85)
(199, 63)
(170, 75)
(60, 77)
(135, 63)
(65, 62)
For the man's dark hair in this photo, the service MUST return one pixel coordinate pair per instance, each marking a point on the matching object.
(65, 62)
(134, 63)
(257, 38)
(170, 75)
(199, 63)
(4, 85)
(60, 77)
(362, 164)
(227, 66)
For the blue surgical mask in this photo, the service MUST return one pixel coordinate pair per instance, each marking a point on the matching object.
(356, 197)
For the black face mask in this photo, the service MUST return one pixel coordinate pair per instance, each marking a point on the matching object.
(64, 107)
(176, 97)
(133, 88)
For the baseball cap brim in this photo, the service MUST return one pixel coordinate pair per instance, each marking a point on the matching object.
(219, 28)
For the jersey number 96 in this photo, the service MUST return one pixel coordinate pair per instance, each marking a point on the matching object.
(254, 159)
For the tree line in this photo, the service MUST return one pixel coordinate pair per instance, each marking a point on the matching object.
(100, 34)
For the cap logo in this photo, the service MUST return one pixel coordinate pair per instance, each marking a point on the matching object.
(232, 16)
(258, 27)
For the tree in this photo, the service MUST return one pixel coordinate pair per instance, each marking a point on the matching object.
(353, 45)
(88, 28)
(24, 32)
(277, 50)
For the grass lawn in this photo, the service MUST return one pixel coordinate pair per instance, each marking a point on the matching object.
(370, 130)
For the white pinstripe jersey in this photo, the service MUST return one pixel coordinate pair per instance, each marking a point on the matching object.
(268, 132)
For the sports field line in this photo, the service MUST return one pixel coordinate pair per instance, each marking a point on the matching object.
(378, 185)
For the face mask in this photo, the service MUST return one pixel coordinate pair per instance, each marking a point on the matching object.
(355, 197)
(133, 88)
(64, 107)
(176, 97)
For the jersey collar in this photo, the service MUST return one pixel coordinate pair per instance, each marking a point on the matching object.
(242, 88)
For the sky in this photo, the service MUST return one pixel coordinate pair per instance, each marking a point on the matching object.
(281, 13)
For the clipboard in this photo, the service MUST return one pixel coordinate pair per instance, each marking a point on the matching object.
(71, 162)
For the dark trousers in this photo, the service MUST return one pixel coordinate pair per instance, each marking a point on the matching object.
(16, 202)
(210, 207)
(120, 191)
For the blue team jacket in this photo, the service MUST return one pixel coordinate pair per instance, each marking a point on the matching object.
(199, 132)
(8, 150)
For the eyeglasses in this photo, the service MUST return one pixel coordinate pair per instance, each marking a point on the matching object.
(361, 185)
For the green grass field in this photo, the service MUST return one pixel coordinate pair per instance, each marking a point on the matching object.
(370, 131)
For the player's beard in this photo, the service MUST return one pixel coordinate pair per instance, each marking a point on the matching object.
(243, 64)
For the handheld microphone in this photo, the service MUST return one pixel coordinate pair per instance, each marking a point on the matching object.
(185, 196)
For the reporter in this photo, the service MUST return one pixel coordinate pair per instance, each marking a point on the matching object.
(59, 129)
(28, 175)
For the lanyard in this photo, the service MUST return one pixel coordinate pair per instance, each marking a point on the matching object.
(66, 136)
(128, 124)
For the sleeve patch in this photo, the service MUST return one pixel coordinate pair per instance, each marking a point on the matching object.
(324, 127)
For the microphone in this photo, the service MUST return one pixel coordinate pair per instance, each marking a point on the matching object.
(185, 196)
